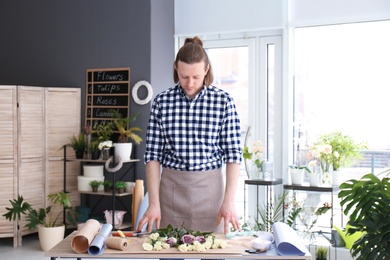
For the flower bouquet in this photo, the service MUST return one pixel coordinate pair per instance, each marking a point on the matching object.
(255, 156)
(181, 238)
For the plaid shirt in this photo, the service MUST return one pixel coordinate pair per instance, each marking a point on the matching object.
(193, 134)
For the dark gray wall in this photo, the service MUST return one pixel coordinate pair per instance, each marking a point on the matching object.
(53, 42)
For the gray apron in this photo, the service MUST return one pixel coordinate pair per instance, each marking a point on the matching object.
(191, 198)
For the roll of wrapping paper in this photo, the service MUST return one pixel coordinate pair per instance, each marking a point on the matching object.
(138, 195)
(83, 238)
(119, 243)
(97, 245)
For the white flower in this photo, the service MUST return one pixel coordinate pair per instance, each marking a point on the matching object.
(182, 248)
(200, 247)
(105, 144)
(223, 244)
(147, 246)
(165, 245)
(154, 236)
(312, 163)
(148, 240)
(158, 246)
(208, 244)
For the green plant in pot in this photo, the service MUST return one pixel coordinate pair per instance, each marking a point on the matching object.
(368, 200)
(122, 125)
(94, 148)
(321, 253)
(344, 148)
(45, 219)
(95, 184)
(123, 147)
(120, 186)
(78, 144)
(107, 185)
(103, 131)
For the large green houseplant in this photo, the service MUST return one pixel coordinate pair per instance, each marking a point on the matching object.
(43, 217)
(368, 200)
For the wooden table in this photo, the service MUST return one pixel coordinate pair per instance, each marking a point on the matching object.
(235, 250)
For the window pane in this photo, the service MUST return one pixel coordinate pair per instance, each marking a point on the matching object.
(342, 84)
(230, 67)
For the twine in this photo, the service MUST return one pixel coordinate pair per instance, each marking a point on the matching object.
(119, 243)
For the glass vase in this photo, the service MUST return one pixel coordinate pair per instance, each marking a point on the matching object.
(87, 138)
(326, 179)
(105, 153)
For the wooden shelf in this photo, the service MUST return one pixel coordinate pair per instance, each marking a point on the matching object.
(103, 193)
(306, 187)
(98, 161)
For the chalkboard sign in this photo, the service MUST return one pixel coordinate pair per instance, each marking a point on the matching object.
(106, 89)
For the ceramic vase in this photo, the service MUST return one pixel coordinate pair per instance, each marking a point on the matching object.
(297, 176)
(50, 236)
(123, 150)
(336, 178)
(314, 179)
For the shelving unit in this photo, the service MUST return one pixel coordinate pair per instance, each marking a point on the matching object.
(112, 194)
(332, 190)
(269, 184)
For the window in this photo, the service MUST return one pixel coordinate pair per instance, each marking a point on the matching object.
(342, 84)
(249, 68)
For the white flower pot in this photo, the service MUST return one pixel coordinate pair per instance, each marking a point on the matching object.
(336, 180)
(314, 179)
(297, 176)
(123, 150)
(50, 236)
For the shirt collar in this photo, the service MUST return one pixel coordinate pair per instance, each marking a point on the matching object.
(199, 95)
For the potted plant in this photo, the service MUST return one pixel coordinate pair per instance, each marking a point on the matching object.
(78, 145)
(344, 150)
(50, 232)
(103, 131)
(120, 186)
(95, 184)
(321, 253)
(268, 214)
(367, 200)
(297, 173)
(123, 147)
(107, 185)
(94, 149)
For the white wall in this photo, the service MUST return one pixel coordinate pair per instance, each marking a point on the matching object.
(200, 17)
(195, 17)
(317, 12)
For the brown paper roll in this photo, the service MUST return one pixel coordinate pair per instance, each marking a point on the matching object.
(83, 238)
(138, 195)
(119, 243)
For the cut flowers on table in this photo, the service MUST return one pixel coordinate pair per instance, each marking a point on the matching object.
(181, 238)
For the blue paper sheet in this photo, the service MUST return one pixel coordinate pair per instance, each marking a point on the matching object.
(97, 245)
(287, 240)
